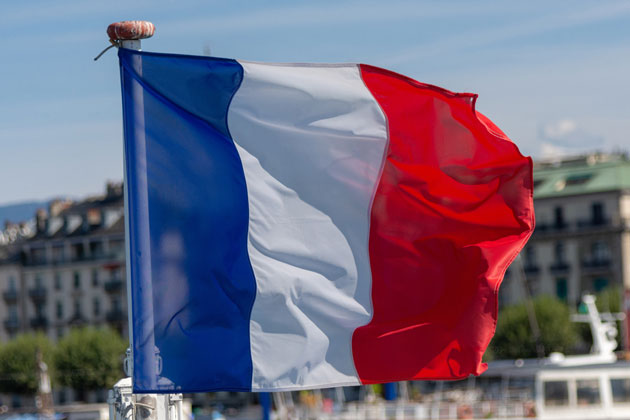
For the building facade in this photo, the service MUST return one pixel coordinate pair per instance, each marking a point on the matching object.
(67, 270)
(581, 242)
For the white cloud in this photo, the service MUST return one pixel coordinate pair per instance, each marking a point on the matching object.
(550, 152)
(558, 129)
(565, 137)
(566, 133)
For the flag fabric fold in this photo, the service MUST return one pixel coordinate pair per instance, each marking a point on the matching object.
(297, 226)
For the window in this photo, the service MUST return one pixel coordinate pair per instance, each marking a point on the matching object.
(94, 277)
(96, 248)
(77, 280)
(577, 179)
(556, 393)
(116, 306)
(77, 308)
(561, 288)
(59, 310)
(96, 305)
(58, 253)
(38, 255)
(599, 251)
(559, 252)
(597, 213)
(530, 256)
(620, 390)
(559, 218)
(117, 247)
(62, 397)
(38, 281)
(13, 312)
(57, 281)
(78, 251)
(588, 392)
(12, 285)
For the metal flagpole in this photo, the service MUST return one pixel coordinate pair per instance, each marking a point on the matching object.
(128, 34)
(123, 404)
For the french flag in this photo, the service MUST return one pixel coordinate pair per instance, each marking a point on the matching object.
(296, 226)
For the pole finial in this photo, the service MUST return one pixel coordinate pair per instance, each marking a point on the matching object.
(130, 30)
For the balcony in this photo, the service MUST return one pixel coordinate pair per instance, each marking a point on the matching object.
(39, 322)
(593, 223)
(38, 294)
(99, 256)
(560, 226)
(11, 324)
(559, 268)
(116, 316)
(57, 261)
(113, 285)
(551, 228)
(596, 265)
(10, 296)
(531, 269)
(77, 319)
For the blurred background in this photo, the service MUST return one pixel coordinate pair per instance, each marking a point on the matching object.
(552, 75)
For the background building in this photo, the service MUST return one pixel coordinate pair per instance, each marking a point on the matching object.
(582, 238)
(65, 269)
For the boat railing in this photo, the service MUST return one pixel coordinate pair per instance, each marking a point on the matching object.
(397, 410)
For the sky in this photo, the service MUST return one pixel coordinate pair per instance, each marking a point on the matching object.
(553, 75)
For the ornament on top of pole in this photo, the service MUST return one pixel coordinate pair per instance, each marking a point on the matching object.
(130, 31)
(127, 34)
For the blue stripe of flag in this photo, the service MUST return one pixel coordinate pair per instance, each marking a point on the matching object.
(202, 283)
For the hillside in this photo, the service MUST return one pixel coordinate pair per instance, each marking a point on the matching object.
(18, 212)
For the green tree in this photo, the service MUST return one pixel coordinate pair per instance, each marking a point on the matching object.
(514, 339)
(609, 299)
(89, 359)
(18, 363)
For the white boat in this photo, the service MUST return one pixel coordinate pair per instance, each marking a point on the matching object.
(593, 386)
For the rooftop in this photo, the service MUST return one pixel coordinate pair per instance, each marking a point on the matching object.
(582, 175)
(64, 218)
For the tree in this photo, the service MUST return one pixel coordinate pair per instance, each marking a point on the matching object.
(89, 359)
(514, 339)
(18, 363)
(609, 299)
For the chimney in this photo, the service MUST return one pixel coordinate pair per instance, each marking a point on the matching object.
(114, 189)
(94, 217)
(57, 206)
(41, 220)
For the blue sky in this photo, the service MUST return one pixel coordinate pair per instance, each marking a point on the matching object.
(553, 75)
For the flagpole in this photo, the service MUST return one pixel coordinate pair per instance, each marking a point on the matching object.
(128, 34)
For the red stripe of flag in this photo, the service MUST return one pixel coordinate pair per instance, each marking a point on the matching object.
(452, 210)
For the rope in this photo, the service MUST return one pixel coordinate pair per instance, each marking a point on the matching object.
(114, 44)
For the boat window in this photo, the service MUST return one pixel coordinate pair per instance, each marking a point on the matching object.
(588, 392)
(620, 390)
(556, 393)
